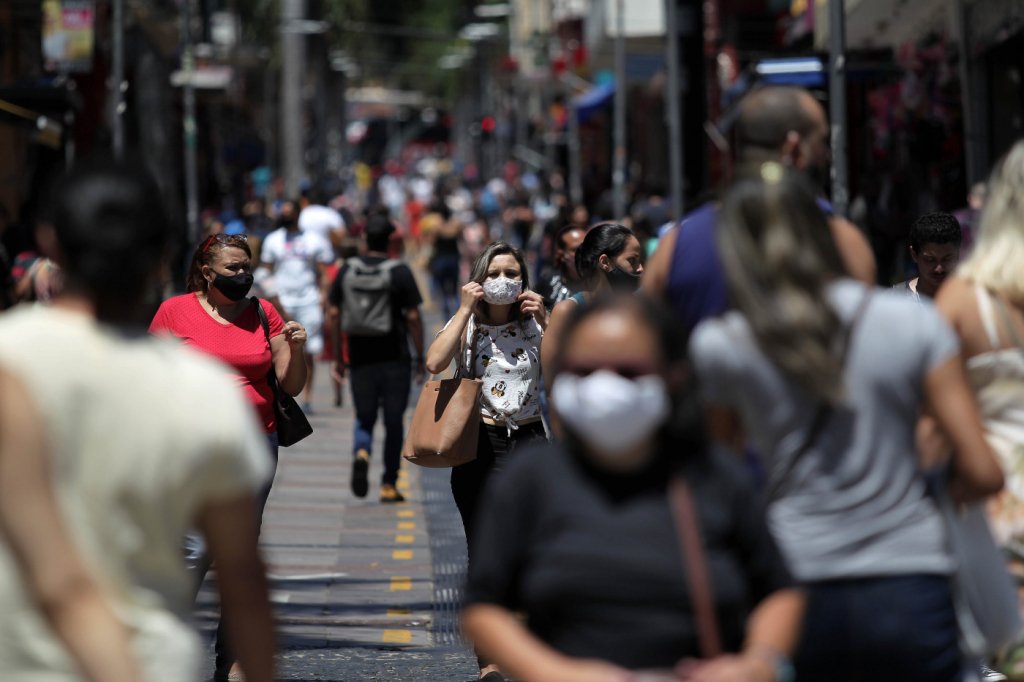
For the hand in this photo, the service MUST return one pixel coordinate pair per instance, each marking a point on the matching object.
(295, 335)
(338, 370)
(586, 670)
(421, 372)
(728, 668)
(472, 293)
(531, 303)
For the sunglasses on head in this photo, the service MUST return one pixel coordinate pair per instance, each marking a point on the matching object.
(224, 240)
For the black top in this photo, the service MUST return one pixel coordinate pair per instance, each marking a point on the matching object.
(405, 295)
(594, 560)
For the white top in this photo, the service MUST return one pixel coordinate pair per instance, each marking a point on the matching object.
(997, 377)
(295, 256)
(508, 362)
(321, 220)
(144, 433)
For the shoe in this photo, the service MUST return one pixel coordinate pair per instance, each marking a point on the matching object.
(360, 467)
(388, 493)
(493, 676)
(233, 675)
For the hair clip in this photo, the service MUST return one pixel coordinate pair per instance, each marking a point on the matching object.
(772, 172)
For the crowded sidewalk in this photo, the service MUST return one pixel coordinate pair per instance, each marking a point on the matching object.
(361, 590)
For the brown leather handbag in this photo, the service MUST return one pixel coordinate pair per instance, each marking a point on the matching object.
(446, 423)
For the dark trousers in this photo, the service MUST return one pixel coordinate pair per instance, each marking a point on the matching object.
(898, 629)
(382, 385)
(494, 446)
(445, 271)
(222, 645)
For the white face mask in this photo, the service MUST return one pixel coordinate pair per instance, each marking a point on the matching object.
(610, 413)
(502, 290)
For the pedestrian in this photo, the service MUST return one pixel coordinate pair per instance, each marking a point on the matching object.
(827, 376)
(147, 439)
(969, 216)
(984, 303)
(375, 302)
(446, 245)
(298, 261)
(935, 249)
(610, 259)
(216, 318)
(776, 123)
(565, 281)
(580, 536)
(62, 589)
(500, 324)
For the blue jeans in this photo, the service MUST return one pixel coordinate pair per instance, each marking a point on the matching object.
(897, 628)
(381, 385)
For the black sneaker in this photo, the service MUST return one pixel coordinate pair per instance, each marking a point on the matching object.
(388, 493)
(360, 468)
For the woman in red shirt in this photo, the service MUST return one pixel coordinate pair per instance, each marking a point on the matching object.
(217, 318)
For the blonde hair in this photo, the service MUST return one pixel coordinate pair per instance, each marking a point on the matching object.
(779, 256)
(998, 254)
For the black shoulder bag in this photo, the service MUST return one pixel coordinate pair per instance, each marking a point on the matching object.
(292, 425)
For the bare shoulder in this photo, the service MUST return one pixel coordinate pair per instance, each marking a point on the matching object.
(956, 299)
(854, 250)
(656, 273)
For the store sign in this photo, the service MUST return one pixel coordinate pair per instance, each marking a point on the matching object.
(68, 35)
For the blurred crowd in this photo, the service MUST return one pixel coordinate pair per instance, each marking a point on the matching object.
(712, 449)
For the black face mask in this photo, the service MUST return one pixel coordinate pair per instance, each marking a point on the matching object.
(234, 288)
(622, 281)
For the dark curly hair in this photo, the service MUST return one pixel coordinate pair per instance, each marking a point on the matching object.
(934, 228)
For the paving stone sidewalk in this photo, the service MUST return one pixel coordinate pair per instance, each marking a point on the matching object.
(361, 590)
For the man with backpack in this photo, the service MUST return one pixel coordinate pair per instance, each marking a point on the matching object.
(374, 301)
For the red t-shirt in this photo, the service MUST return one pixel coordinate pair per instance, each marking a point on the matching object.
(241, 345)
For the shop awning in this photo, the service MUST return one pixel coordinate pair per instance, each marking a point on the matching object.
(591, 101)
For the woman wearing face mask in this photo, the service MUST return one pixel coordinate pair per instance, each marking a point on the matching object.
(580, 537)
(216, 317)
(610, 259)
(505, 322)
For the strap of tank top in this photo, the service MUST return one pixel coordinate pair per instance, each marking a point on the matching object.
(1008, 321)
(988, 319)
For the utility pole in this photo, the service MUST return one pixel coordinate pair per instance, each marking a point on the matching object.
(619, 170)
(117, 84)
(189, 125)
(292, 75)
(673, 109)
(837, 105)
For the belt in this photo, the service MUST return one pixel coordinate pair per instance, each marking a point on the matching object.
(502, 422)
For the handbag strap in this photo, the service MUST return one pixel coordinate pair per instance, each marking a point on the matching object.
(684, 514)
(271, 375)
(469, 343)
(823, 412)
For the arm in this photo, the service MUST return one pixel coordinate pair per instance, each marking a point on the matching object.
(976, 473)
(503, 639)
(772, 632)
(447, 343)
(67, 595)
(559, 317)
(414, 326)
(230, 532)
(289, 365)
(854, 250)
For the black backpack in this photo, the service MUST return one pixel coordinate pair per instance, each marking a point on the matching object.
(366, 296)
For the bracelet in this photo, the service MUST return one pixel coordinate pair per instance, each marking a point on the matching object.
(784, 670)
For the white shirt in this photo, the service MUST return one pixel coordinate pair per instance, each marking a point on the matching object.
(320, 219)
(295, 256)
(144, 433)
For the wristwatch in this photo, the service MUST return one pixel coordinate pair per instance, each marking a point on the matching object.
(784, 670)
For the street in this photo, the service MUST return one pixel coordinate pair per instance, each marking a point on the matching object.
(361, 590)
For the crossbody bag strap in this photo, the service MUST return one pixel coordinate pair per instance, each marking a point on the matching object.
(823, 412)
(684, 514)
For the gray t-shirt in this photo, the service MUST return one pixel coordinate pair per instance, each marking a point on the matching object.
(855, 504)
